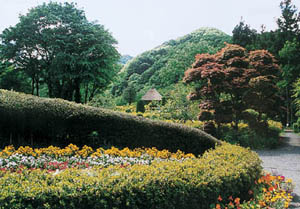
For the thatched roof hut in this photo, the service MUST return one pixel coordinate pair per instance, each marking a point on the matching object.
(152, 95)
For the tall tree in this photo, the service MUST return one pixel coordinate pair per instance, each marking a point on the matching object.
(243, 35)
(289, 28)
(129, 94)
(55, 44)
(289, 21)
(232, 81)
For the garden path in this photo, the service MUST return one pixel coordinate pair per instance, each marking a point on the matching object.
(285, 161)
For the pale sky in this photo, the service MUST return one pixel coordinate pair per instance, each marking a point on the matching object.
(140, 25)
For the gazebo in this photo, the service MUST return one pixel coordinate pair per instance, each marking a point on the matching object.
(152, 95)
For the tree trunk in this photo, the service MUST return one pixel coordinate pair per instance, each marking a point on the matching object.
(37, 85)
(77, 91)
(93, 91)
(86, 93)
(32, 85)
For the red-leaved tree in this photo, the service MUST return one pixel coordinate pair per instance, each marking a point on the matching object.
(231, 82)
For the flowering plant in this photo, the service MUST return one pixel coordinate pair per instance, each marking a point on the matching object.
(273, 192)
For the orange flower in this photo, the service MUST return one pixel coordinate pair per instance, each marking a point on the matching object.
(230, 198)
(220, 198)
(237, 201)
(262, 204)
(218, 206)
(231, 204)
(271, 189)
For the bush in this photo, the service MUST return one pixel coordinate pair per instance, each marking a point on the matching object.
(247, 137)
(28, 119)
(296, 127)
(140, 106)
(192, 184)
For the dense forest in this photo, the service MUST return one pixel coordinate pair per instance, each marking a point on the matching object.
(164, 65)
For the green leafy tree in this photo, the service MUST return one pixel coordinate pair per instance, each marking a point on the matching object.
(283, 43)
(290, 59)
(289, 21)
(55, 44)
(243, 35)
(140, 106)
(129, 94)
(288, 25)
(12, 79)
(288, 30)
(296, 95)
(177, 106)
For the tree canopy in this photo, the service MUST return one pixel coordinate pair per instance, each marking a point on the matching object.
(55, 45)
(231, 82)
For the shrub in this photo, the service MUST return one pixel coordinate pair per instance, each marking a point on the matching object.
(192, 184)
(296, 127)
(140, 106)
(247, 137)
(58, 122)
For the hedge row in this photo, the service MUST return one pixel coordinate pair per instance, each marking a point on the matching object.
(41, 121)
(228, 170)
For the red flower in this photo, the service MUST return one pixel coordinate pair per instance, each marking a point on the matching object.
(220, 198)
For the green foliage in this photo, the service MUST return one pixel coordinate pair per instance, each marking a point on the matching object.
(103, 100)
(296, 127)
(58, 122)
(55, 44)
(246, 137)
(11, 78)
(165, 65)
(289, 21)
(129, 94)
(192, 184)
(125, 58)
(296, 95)
(290, 56)
(177, 106)
(283, 43)
(140, 106)
(243, 35)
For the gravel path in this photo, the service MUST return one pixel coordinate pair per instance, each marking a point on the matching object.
(285, 161)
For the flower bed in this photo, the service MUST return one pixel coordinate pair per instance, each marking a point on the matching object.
(166, 180)
(271, 192)
(53, 158)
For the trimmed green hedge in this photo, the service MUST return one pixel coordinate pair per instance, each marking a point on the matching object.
(27, 119)
(228, 170)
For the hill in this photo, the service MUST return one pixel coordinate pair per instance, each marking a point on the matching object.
(164, 65)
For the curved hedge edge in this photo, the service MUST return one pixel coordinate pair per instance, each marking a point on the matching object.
(228, 170)
(56, 121)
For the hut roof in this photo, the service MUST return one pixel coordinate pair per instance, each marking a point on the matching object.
(151, 95)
